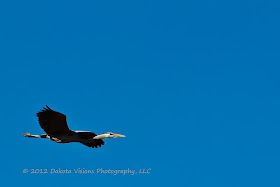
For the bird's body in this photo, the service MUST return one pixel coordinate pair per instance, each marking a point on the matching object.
(55, 125)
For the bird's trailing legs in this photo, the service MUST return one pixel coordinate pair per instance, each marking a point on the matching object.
(34, 136)
(42, 136)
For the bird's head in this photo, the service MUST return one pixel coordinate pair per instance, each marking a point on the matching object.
(108, 135)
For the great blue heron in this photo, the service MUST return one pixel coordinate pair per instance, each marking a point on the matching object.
(55, 125)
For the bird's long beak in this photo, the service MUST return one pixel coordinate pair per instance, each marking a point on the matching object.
(118, 135)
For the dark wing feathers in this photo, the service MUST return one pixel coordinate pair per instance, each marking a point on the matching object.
(85, 134)
(90, 135)
(52, 122)
(95, 144)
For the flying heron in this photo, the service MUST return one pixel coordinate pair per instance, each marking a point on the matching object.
(55, 125)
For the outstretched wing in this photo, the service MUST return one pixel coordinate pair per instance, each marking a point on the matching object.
(90, 135)
(52, 122)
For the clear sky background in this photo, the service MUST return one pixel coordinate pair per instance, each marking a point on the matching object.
(194, 85)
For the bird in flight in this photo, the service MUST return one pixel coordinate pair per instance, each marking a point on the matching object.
(55, 125)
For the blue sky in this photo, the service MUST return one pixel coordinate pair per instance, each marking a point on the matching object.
(194, 85)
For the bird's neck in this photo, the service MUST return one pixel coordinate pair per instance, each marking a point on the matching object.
(101, 136)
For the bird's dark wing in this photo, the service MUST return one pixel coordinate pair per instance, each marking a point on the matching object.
(90, 135)
(85, 134)
(95, 144)
(53, 122)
